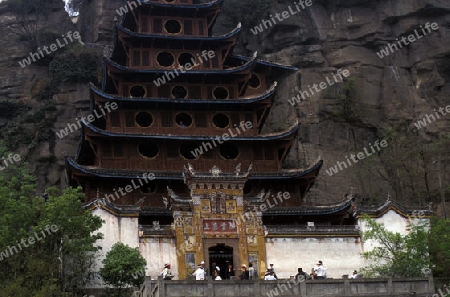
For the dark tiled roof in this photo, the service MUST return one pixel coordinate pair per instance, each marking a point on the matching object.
(210, 39)
(311, 210)
(266, 137)
(242, 68)
(131, 174)
(264, 63)
(182, 6)
(241, 101)
(390, 205)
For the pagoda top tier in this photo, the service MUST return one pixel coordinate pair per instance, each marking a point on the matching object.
(190, 4)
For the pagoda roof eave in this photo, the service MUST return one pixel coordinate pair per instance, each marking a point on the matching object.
(266, 63)
(213, 3)
(231, 36)
(311, 210)
(267, 137)
(97, 172)
(243, 100)
(312, 171)
(242, 69)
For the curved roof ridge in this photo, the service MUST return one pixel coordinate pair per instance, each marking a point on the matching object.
(278, 135)
(389, 204)
(265, 62)
(232, 33)
(126, 174)
(227, 71)
(248, 99)
(176, 5)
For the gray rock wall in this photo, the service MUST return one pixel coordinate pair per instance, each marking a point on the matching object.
(327, 36)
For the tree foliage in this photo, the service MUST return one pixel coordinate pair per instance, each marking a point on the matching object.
(28, 15)
(121, 267)
(394, 254)
(439, 241)
(249, 13)
(350, 105)
(56, 263)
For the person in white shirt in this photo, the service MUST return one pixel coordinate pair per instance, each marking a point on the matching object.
(320, 271)
(166, 274)
(199, 273)
(270, 276)
(216, 274)
(355, 274)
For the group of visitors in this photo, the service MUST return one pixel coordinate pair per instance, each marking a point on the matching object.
(202, 272)
(317, 272)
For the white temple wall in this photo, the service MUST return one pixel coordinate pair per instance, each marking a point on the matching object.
(159, 251)
(340, 255)
(114, 229)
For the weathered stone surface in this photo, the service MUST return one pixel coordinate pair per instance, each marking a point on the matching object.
(329, 35)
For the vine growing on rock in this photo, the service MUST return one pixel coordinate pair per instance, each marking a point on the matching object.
(76, 65)
(350, 107)
(249, 13)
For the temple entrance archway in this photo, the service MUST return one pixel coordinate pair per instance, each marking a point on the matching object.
(222, 255)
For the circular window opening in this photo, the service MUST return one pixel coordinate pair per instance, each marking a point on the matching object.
(144, 119)
(229, 151)
(254, 82)
(148, 149)
(183, 119)
(148, 188)
(138, 91)
(165, 59)
(221, 120)
(173, 26)
(247, 188)
(220, 93)
(188, 150)
(185, 58)
(179, 92)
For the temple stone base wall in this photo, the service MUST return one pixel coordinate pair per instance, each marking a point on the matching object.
(340, 255)
(343, 287)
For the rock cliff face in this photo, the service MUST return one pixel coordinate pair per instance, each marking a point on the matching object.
(400, 88)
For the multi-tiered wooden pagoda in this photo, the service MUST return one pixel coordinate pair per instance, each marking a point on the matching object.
(178, 89)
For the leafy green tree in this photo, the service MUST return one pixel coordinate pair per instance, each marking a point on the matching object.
(121, 268)
(54, 263)
(439, 240)
(394, 254)
(74, 244)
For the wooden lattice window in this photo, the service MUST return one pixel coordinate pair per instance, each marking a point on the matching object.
(235, 119)
(145, 58)
(201, 30)
(144, 24)
(249, 117)
(172, 151)
(268, 153)
(166, 119)
(136, 58)
(115, 119)
(215, 62)
(188, 27)
(258, 152)
(195, 92)
(129, 119)
(118, 150)
(125, 91)
(106, 149)
(200, 120)
(157, 26)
